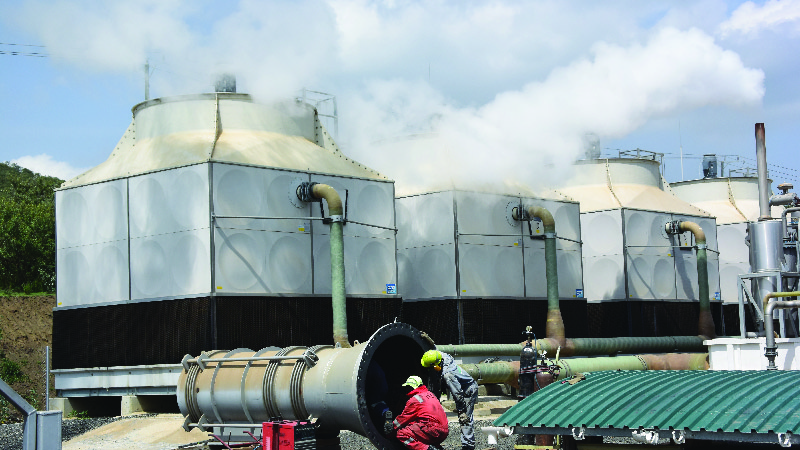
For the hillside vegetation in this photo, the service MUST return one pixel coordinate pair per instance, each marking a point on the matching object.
(27, 230)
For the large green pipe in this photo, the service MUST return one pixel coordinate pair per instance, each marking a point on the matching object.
(508, 371)
(338, 295)
(585, 346)
(555, 323)
(705, 323)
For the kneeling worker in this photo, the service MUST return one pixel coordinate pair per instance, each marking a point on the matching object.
(423, 422)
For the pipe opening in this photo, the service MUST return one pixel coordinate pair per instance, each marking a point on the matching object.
(391, 356)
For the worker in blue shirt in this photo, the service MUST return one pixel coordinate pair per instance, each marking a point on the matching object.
(463, 390)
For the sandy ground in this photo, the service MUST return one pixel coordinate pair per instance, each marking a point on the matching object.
(165, 432)
(162, 432)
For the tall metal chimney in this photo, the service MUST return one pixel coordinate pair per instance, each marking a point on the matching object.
(763, 183)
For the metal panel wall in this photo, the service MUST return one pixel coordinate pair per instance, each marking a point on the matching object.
(369, 265)
(427, 272)
(733, 259)
(270, 250)
(491, 247)
(649, 253)
(369, 238)
(170, 240)
(424, 220)
(490, 266)
(92, 249)
(603, 260)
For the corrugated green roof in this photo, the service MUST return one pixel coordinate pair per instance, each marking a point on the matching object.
(692, 401)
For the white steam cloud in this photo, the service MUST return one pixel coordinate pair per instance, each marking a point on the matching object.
(531, 136)
(749, 19)
(274, 48)
(45, 165)
(412, 130)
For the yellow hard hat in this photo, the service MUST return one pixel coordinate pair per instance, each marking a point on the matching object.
(413, 381)
(431, 358)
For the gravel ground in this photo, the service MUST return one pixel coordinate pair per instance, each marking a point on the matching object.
(11, 434)
(353, 441)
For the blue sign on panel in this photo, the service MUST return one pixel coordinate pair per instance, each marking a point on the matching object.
(391, 288)
(578, 293)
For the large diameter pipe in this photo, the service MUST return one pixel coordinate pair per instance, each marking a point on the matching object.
(763, 181)
(555, 323)
(243, 388)
(585, 346)
(771, 348)
(507, 372)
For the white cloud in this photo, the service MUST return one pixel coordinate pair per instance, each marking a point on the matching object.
(749, 19)
(45, 165)
(532, 135)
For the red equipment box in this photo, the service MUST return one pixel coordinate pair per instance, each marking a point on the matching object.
(288, 435)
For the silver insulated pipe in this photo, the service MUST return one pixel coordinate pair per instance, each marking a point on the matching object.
(241, 389)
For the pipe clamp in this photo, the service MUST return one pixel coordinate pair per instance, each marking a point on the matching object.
(336, 218)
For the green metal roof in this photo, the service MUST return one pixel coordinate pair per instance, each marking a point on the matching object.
(695, 402)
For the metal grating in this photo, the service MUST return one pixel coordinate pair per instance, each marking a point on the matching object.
(691, 401)
(130, 334)
(258, 322)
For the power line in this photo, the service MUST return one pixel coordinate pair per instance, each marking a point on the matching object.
(22, 52)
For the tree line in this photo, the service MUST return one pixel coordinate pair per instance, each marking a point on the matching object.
(27, 230)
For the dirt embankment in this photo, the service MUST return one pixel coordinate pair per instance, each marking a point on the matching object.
(27, 328)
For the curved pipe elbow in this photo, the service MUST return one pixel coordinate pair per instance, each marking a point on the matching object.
(697, 231)
(323, 191)
(545, 216)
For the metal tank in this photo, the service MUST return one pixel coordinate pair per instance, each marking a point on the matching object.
(766, 255)
(193, 222)
(636, 274)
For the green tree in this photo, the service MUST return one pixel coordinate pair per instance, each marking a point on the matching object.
(27, 230)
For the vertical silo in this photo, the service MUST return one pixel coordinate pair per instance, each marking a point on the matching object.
(639, 279)
(470, 272)
(191, 236)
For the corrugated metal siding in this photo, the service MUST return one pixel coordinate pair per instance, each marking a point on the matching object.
(721, 401)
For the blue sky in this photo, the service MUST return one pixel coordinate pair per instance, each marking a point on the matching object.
(498, 87)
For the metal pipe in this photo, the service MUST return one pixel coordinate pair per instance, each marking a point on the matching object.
(785, 213)
(507, 372)
(318, 191)
(763, 183)
(328, 383)
(771, 348)
(555, 323)
(585, 346)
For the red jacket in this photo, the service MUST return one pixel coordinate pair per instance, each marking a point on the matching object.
(422, 406)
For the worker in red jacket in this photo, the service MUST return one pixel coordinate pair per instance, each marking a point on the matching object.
(423, 423)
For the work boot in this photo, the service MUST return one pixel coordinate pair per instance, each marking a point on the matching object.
(388, 425)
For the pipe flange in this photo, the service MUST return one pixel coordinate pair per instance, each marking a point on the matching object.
(512, 209)
(304, 192)
(294, 193)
